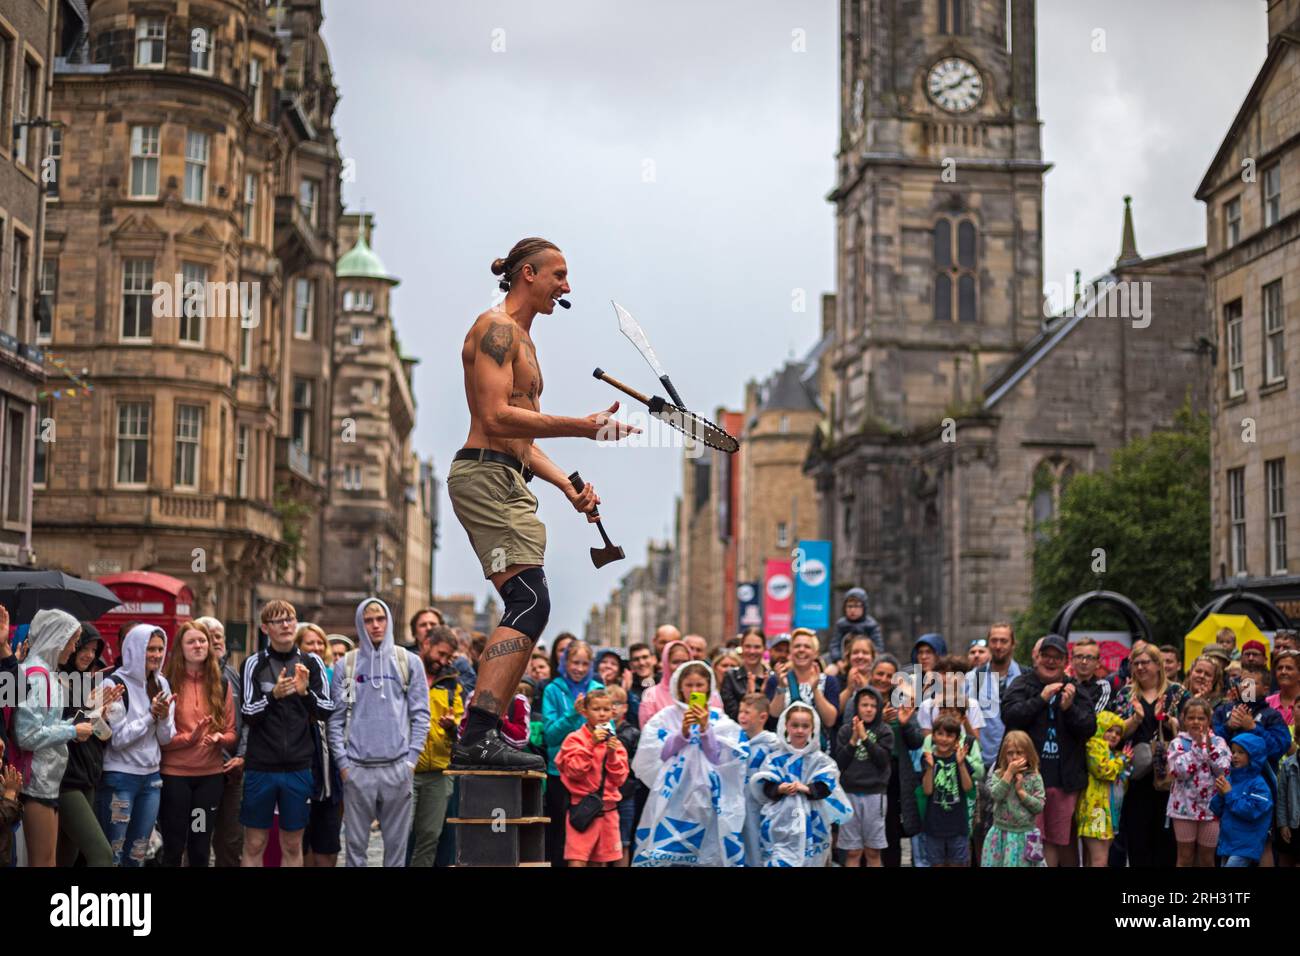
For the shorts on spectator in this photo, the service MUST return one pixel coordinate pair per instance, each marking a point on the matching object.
(1056, 822)
(866, 828)
(950, 851)
(599, 843)
(265, 790)
(627, 819)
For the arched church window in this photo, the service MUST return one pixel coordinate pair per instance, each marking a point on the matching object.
(955, 264)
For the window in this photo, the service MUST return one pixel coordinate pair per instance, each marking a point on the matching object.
(29, 85)
(1232, 333)
(1272, 194)
(137, 299)
(144, 162)
(245, 348)
(1274, 332)
(351, 477)
(194, 295)
(303, 296)
(302, 413)
(44, 439)
(132, 443)
(189, 426)
(241, 461)
(309, 199)
(1275, 495)
(782, 535)
(950, 16)
(54, 153)
(150, 42)
(955, 264)
(49, 289)
(197, 146)
(255, 88)
(15, 452)
(201, 45)
(250, 206)
(783, 426)
(6, 90)
(358, 335)
(1237, 518)
(358, 301)
(18, 308)
(1232, 222)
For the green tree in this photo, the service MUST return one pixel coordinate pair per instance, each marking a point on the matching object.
(1149, 514)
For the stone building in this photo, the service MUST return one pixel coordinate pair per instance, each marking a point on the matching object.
(956, 411)
(1253, 274)
(27, 48)
(375, 476)
(708, 519)
(191, 280)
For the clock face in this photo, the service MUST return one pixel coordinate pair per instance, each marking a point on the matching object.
(955, 84)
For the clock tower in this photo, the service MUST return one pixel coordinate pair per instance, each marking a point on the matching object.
(938, 207)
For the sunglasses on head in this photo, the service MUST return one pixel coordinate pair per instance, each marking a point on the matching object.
(980, 642)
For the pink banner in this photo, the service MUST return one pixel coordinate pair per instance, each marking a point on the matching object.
(778, 597)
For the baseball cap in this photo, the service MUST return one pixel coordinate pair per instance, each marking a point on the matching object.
(1056, 642)
(777, 639)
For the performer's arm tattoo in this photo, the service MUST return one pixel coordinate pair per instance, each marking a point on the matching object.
(497, 341)
(511, 645)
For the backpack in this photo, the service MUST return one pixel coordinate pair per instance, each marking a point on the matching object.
(400, 661)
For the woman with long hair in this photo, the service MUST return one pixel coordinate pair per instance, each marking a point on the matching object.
(1149, 706)
(749, 677)
(1205, 680)
(192, 781)
(321, 844)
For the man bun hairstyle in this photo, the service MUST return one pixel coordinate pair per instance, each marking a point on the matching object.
(522, 254)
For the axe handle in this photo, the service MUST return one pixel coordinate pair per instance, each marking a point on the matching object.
(578, 484)
(626, 389)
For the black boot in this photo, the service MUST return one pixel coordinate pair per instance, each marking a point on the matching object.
(491, 752)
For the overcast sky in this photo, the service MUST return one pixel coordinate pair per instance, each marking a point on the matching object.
(679, 152)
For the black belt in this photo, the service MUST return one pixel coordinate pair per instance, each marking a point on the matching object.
(496, 457)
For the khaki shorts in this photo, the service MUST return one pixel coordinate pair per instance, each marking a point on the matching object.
(499, 514)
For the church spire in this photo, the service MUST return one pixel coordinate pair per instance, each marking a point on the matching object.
(1128, 253)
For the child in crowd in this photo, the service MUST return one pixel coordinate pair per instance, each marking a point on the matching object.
(516, 722)
(592, 759)
(947, 781)
(628, 735)
(691, 758)
(1197, 757)
(758, 744)
(1288, 800)
(862, 751)
(1097, 815)
(1244, 803)
(11, 811)
(801, 789)
(1016, 789)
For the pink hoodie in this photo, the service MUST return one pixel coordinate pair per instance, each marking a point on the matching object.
(660, 696)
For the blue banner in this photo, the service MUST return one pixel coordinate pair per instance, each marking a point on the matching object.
(749, 605)
(811, 565)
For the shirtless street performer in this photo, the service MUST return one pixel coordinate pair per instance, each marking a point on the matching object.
(489, 491)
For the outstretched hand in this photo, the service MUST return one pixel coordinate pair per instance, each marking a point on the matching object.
(603, 426)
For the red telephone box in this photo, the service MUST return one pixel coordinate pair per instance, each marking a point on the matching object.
(148, 598)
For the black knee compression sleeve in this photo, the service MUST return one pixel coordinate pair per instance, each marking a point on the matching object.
(527, 603)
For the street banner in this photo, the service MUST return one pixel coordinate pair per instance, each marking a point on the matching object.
(812, 584)
(778, 597)
(749, 605)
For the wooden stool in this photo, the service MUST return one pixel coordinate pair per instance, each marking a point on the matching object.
(501, 821)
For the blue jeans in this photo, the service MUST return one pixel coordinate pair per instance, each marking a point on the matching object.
(1240, 861)
(127, 806)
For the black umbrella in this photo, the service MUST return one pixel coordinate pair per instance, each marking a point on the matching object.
(23, 593)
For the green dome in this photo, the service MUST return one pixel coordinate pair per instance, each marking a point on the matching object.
(361, 262)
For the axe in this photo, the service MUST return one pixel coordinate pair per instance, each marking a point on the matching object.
(611, 552)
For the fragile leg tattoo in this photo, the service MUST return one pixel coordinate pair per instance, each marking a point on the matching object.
(511, 645)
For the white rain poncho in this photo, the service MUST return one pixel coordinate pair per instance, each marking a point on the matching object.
(696, 809)
(759, 747)
(796, 831)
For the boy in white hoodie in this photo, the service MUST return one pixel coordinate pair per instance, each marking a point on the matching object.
(143, 720)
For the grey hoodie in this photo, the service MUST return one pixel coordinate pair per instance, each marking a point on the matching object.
(138, 736)
(39, 726)
(387, 725)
